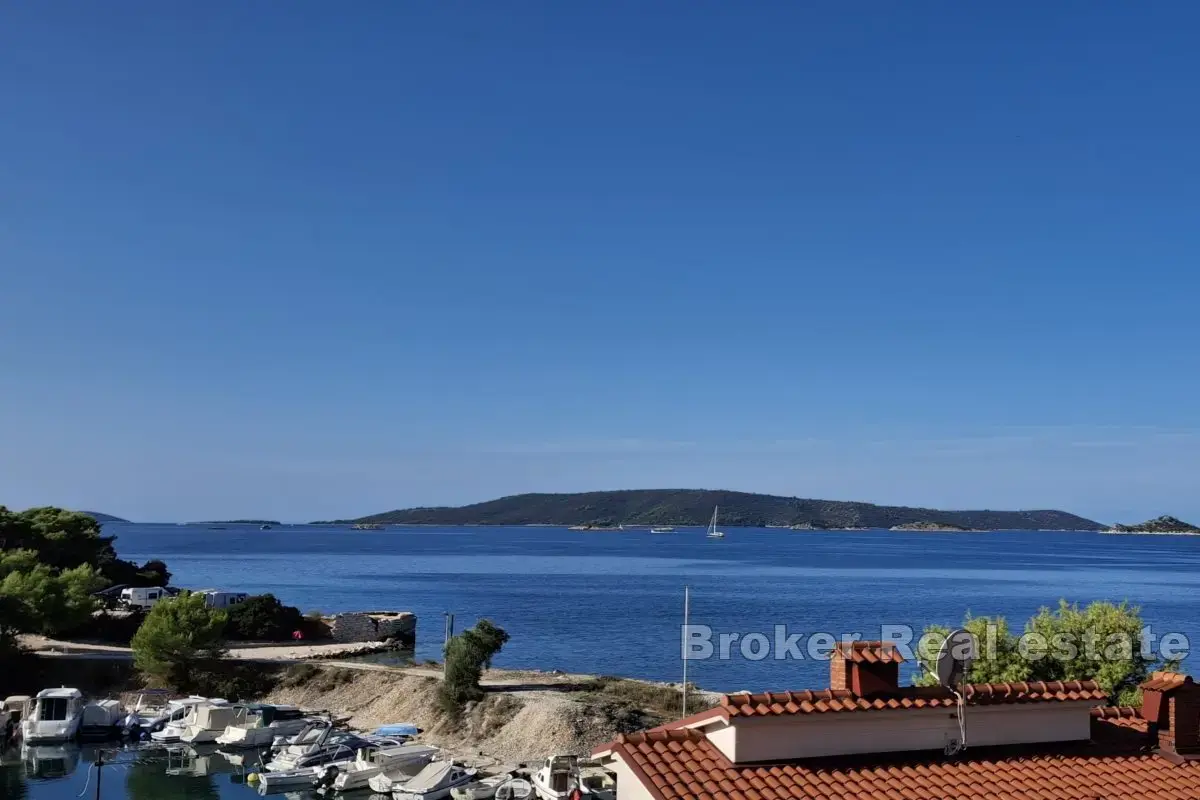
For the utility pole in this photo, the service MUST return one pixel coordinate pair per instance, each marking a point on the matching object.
(449, 635)
(686, 609)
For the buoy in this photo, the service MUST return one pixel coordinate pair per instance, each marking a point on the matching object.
(252, 777)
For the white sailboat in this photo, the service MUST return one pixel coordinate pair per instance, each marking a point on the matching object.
(713, 533)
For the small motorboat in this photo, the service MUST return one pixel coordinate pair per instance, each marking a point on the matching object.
(597, 782)
(150, 706)
(515, 789)
(557, 778)
(55, 717)
(209, 722)
(481, 789)
(179, 716)
(404, 761)
(263, 725)
(435, 782)
(14, 709)
(662, 529)
(101, 719)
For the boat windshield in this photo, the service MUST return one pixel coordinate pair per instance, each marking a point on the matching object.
(53, 709)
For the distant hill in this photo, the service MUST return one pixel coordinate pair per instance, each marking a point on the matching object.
(96, 515)
(1162, 524)
(694, 507)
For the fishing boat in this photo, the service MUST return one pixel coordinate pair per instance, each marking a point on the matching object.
(515, 789)
(557, 778)
(435, 782)
(481, 789)
(403, 761)
(662, 529)
(55, 717)
(262, 725)
(713, 533)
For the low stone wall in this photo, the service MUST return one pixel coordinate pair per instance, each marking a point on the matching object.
(374, 626)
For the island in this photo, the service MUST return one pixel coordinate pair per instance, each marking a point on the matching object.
(925, 525)
(1163, 524)
(102, 518)
(694, 507)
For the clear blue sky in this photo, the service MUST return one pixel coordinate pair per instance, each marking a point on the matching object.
(316, 259)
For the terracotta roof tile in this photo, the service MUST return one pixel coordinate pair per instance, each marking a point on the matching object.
(1165, 681)
(830, 700)
(1114, 765)
(876, 652)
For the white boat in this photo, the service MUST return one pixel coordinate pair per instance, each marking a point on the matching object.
(299, 750)
(263, 725)
(101, 718)
(209, 722)
(302, 777)
(403, 762)
(482, 789)
(515, 789)
(435, 782)
(557, 778)
(55, 717)
(713, 533)
(662, 529)
(179, 715)
(597, 783)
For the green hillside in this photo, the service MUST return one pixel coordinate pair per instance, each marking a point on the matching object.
(694, 507)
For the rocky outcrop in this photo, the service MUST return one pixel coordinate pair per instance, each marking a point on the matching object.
(1163, 524)
(928, 526)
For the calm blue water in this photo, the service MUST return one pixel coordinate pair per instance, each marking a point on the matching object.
(612, 603)
(67, 772)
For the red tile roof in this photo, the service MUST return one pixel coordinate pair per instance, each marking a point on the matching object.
(826, 700)
(1165, 681)
(868, 652)
(684, 765)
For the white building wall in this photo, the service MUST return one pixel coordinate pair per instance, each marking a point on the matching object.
(779, 738)
(628, 785)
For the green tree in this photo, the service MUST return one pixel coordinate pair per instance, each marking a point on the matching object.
(178, 636)
(52, 603)
(467, 654)
(1101, 642)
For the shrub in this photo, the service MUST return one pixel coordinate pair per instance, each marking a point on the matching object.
(263, 617)
(466, 657)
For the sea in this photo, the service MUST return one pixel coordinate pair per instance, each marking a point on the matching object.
(612, 603)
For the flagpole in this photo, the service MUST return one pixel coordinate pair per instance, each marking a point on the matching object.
(686, 609)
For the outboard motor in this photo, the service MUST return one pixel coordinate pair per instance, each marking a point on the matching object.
(325, 781)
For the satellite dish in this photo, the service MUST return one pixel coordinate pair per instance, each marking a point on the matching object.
(955, 658)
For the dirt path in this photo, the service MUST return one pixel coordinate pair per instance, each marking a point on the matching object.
(319, 654)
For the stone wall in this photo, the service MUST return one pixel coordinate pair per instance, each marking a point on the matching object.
(374, 626)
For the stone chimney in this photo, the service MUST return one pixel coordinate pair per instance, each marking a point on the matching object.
(865, 668)
(1171, 707)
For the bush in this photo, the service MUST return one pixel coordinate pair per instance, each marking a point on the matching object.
(263, 618)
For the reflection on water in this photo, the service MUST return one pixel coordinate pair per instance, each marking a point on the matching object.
(130, 772)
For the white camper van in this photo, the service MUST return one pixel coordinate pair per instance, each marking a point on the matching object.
(215, 599)
(142, 598)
